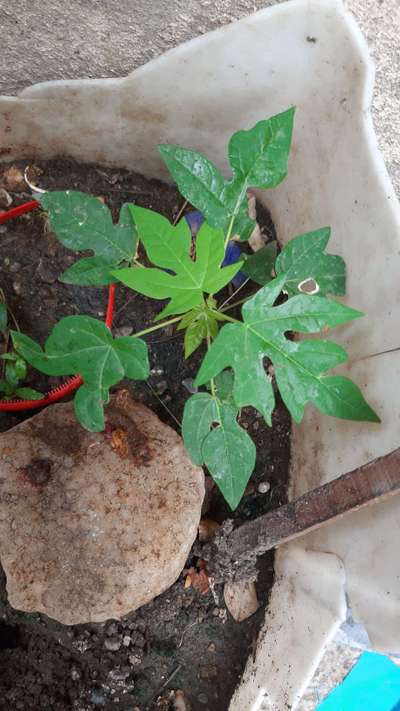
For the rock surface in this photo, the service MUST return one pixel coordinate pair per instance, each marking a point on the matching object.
(94, 525)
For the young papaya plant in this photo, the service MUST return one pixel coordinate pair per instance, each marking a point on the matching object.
(294, 297)
(14, 368)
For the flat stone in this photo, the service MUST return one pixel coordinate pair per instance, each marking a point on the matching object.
(94, 525)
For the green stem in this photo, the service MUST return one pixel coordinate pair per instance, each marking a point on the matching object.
(157, 327)
(212, 382)
(235, 212)
(220, 308)
(236, 303)
(229, 232)
(232, 320)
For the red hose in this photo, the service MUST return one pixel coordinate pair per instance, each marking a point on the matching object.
(16, 211)
(72, 384)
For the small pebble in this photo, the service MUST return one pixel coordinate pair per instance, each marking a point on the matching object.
(161, 387)
(202, 698)
(119, 674)
(211, 647)
(215, 612)
(75, 675)
(81, 645)
(112, 630)
(139, 640)
(208, 672)
(263, 487)
(14, 179)
(134, 659)
(126, 640)
(124, 331)
(5, 198)
(97, 698)
(113, 644)
(17, 287)
(188, 383)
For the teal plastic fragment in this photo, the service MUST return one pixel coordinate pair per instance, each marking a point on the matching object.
(372, 685)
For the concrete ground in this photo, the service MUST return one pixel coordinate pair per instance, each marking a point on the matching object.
(50, 39)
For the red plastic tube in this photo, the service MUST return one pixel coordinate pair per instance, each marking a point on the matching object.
(72, 384)
(16, 211)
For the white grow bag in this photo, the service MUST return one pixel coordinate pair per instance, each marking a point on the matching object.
(307, 53)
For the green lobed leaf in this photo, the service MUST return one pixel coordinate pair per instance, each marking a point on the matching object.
(85, 346)
(304, 258)
(89, 408)
(198, 416)
(82, 222)
(200, 329)
(90, 271)
(29, 394)
(243, 224)
(3, 317)
(259, 266)
(300, 367)
(5, 387)
(230, 455)
(224, 386)
(9, 356)
(168, 247)
(199, 181)
(258, 158)
(201, 323)
(11, 374)
(226, 449)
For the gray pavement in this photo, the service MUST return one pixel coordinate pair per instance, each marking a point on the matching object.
(52, 39)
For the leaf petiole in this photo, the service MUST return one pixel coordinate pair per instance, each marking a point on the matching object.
(230, 228)
(236, 303)
(220, 308)
(212, 381)
(157, 326)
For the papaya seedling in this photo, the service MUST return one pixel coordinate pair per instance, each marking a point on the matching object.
(294, 297)
(14, 367)
(14, 372)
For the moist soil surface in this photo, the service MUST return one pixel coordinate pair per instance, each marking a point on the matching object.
(183, 640)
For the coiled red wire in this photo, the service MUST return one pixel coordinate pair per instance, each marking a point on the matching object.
(71, 384)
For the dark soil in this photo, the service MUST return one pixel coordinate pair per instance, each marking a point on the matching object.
(182, 636)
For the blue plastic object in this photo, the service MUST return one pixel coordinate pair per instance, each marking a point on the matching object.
(372, 685)
(233, 252)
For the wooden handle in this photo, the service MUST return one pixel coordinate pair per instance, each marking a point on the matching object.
(362, 487)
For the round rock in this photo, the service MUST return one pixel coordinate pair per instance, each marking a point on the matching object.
(94, 525)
